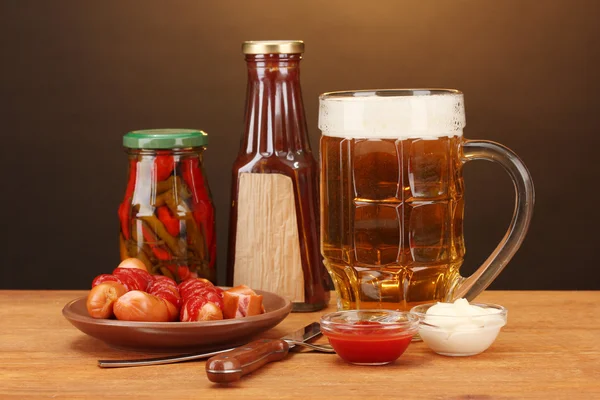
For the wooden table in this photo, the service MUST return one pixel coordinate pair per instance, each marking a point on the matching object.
(549, 349)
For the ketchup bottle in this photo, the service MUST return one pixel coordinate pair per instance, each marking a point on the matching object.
(274, 221)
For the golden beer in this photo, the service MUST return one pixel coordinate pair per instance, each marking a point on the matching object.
(392, 219)
(392, 198)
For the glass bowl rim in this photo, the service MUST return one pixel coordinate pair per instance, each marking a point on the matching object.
(416, 310)
(409, 322)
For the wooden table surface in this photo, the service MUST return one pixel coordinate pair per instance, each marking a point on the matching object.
(549, 349)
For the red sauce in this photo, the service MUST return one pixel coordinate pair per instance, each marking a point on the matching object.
(369, 345)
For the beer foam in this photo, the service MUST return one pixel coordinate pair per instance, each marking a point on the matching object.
(425, 114)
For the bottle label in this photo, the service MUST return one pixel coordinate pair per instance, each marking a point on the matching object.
(267, 251)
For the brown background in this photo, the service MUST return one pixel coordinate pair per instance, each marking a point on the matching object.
(75, 76)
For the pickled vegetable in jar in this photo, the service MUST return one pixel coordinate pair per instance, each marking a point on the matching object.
(167, 217)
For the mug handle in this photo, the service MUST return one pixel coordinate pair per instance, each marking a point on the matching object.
(473, 285)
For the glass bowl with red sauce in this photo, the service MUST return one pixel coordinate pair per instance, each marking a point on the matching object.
(369, 337)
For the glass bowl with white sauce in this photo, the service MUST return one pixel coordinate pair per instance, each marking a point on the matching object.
(459, 328)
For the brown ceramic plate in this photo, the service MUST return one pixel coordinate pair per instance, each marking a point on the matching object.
(176, 336)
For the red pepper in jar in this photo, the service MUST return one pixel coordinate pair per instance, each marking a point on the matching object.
(182, 272)
(163, 165)
(150, 238)
(169, 221)
(125, 206)
(202, 208)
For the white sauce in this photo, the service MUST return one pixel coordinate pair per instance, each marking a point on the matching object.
(461, 329)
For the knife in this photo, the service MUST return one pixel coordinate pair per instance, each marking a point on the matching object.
(311, 330)
(158, 360)
(230, 366)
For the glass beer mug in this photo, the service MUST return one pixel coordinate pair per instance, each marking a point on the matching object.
(392, 198)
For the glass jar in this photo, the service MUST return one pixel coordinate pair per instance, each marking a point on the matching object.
(167, 217)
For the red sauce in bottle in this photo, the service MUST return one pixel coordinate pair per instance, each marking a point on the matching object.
(276, 142)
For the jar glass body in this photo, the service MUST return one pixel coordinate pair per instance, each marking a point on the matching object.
(167, 214)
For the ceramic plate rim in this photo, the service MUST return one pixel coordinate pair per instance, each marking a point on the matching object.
(68, 313)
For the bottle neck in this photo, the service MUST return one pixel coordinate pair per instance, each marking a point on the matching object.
(274, 122)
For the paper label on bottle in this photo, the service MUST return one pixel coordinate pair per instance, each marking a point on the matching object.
(267, 246)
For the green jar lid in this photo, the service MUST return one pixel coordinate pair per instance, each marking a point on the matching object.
(164, 138)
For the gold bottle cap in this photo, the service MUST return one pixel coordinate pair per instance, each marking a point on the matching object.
(273, 47)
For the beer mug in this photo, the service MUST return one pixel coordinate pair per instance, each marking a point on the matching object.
(392, 198)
